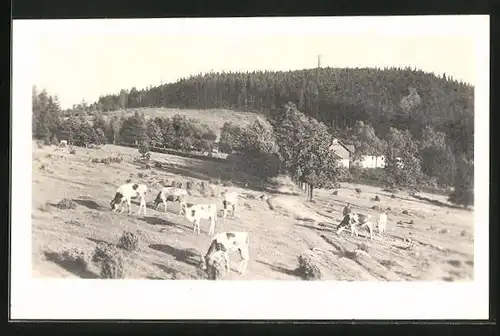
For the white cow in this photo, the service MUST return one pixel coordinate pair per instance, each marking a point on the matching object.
(194, 213)
(227, 242)
(170, 194)
(230, 200)
(125, 193)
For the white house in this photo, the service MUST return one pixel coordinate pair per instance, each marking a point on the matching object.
(342, 151)
(372, 161)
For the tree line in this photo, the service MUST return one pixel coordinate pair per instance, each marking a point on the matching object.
(406, 99)
(51, 124)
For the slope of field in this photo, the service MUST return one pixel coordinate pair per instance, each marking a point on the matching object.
(280, 228)
(214, 118)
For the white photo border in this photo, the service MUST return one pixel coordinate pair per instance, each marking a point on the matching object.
(65, 299)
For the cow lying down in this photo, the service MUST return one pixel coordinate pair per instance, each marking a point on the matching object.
(228, 242)
(355, 221)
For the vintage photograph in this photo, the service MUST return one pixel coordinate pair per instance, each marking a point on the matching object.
(222, 156)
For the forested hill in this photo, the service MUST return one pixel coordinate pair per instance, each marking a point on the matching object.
(401, 98)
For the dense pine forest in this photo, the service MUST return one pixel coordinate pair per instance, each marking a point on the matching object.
(428, 119)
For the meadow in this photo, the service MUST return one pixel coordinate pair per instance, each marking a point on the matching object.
(425, 239)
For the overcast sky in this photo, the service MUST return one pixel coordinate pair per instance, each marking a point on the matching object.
(78, 59)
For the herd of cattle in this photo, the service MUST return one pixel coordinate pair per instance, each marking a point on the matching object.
(224, 243)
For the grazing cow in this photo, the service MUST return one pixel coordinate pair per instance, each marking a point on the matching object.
(354, 221)
(230, 199)
(170, 194)
(227, 242)
(194, 213)
(63, 143)
(125, 193)
(382, 223)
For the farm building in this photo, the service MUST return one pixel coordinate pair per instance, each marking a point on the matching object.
(370, 161)
(342, 151)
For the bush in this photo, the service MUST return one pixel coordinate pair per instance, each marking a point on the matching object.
(112, 268)
(308, 268)
(157, 164)
(96, 160)
(129, 241)
(74, 256)
(66, 203)
(376, 199)
(110, 260)
(335, 192)
(464, 197)
(106, 161)
(393, 196)
(215, 182)
(102, 251)
(72, 150)
(358, 191)
(216, 266)
(227, 184)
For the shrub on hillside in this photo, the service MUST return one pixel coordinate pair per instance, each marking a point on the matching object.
(74, 256)
(129, 241)
(308, 268)
(113, 267)
(102, 251)
(66, 203)
(227, 184)
(110, 260)
(216, 266)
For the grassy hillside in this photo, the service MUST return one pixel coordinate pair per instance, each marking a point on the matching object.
(213, 118)
(281, 228)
